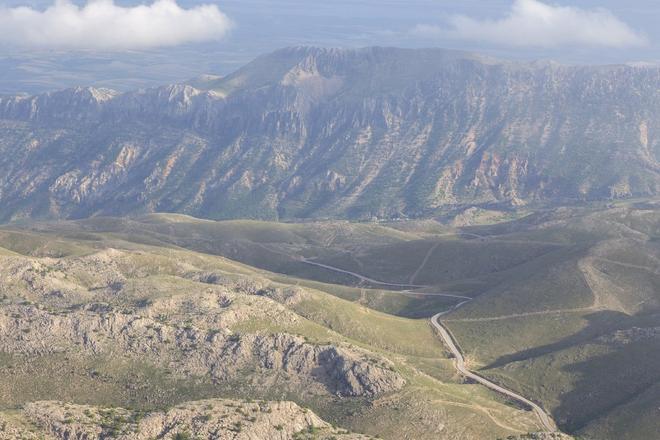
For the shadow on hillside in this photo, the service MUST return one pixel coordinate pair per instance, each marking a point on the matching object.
(609, 381)
(602, 382)
(598, 323)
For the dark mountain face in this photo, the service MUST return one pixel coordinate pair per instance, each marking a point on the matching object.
(309, 132)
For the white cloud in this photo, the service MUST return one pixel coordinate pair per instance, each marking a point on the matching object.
(536, 24)
(101, 24)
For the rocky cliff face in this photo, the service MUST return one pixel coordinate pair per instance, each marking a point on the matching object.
(308, 132)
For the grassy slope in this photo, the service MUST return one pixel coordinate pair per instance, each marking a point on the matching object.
(590, 385)
(544, 277)
(410, 343)
(550, 268)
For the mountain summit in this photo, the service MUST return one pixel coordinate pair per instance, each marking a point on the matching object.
(308, 132)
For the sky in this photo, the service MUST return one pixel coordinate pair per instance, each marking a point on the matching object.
(52, 44)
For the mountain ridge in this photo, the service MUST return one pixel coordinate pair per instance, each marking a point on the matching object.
(334, 133)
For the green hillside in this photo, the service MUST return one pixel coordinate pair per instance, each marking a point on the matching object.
(102, 318)
(561, 306)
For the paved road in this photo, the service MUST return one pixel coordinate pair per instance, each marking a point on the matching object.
(459, 360)
(459, 363)
(357, 275)
(385, 283)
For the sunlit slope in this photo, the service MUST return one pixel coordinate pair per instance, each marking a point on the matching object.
(94, 318)
(564, 305)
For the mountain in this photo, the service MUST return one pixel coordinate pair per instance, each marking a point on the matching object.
(327, 133)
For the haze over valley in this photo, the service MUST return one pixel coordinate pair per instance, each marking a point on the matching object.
(297, 220)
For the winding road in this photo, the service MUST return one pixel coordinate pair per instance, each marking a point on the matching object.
(459, 361)
(357, 275)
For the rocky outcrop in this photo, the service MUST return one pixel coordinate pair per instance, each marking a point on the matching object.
(209, 419)
(190, 351)
(308, 132)
(171, 313)
(541, 436)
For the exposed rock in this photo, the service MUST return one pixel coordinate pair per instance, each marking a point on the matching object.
(174, 315)
(289, 296)
(190, 351)
(368, 133)
(209, 419)
(541, 436)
